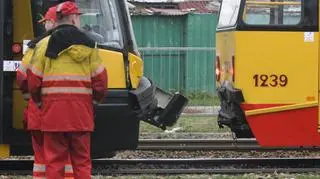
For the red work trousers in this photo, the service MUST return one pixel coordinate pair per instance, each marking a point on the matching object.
(59, 145)
(39, 167)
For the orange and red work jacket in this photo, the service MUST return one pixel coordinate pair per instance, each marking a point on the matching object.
(67, 84)
(32, 114)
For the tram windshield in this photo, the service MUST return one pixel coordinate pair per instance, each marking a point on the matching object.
(100, 20)
(229, 13)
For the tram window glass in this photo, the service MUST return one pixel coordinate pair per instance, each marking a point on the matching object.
(38, 11)
(272, 12)
(100, 21)
(229, 13)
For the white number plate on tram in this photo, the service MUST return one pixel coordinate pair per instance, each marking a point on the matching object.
(11, 65)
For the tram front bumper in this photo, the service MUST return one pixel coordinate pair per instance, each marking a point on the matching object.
(231, 114)
(157, 107)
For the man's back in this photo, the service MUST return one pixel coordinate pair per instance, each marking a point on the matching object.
(66, 77)
(66, 63)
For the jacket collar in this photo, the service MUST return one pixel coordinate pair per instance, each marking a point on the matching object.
(65, 36)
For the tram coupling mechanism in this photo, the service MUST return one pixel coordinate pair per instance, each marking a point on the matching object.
(157, 107)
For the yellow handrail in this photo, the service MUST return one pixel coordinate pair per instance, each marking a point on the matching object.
(281, 108)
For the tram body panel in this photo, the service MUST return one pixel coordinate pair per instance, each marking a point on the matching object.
(268, 73)
(131, 97)
(274, 93)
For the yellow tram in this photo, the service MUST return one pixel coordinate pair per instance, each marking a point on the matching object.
(131, 96)
(267, 70)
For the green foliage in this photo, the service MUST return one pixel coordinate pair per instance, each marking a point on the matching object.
(202, 99)
(189, 124)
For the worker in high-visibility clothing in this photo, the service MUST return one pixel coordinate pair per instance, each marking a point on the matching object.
(66, 79)
(32, 114)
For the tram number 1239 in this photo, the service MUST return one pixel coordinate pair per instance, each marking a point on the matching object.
(263, 80)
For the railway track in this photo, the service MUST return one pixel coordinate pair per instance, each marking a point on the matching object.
(208, 144)
(182, 166)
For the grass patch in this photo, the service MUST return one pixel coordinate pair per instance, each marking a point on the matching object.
(245, 176)
(189, 124)
(203, 99)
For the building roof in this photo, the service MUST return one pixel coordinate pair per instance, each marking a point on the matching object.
(174, 8)
(168, 12)
(156, 1)
(196, 6)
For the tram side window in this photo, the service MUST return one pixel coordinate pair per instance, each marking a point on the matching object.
(38, 10)
(229, 13)
(272, 12)
(100, 21)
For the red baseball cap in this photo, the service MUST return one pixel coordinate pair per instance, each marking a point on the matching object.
(50, 15)
(68, 8)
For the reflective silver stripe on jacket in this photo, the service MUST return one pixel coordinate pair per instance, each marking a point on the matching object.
(36, 71)
(98, 71)
(68, 169)
(66, 78)
(74, 90)
(39, 168)
(23, 69)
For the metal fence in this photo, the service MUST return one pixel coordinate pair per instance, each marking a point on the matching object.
(179, 54)
(188, 70)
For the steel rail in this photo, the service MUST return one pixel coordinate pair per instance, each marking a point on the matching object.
(182, 166)
(209, 144)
